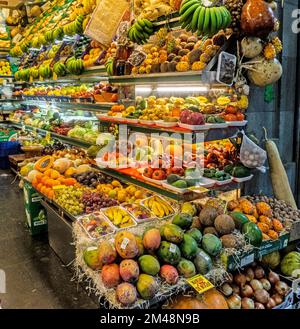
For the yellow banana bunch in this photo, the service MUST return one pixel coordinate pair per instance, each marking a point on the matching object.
(159, 207)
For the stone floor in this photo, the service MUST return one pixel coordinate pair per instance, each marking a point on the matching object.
(35, 276)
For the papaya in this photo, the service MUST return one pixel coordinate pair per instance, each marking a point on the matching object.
(90, 257)
(149, 264)
(140, 245)
(211, 244)
(169, 253)
(195, 234)
(152, 239)
(202, 262)
(186, 268)
(147, 286)
(171, 233)
(188, 247)
(44, 163)
(183, 220)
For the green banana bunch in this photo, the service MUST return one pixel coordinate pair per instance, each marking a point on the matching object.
(59, 69)
(74, 66)
(205, 20)
(140, 31)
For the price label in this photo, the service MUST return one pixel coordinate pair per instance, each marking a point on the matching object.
(247, 260)
(200, 283)
(124, 243)
(172, 248)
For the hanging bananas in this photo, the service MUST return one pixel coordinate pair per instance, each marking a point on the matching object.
(195, 17)
(140, 31)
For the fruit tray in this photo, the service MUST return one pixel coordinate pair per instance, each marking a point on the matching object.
(193, 127)
(243, 179)
(95, 225)
(165, 124)
(217, 125)
(147, 122)
(174, 188)
(119, 217)
(237, 123)
(139, 212)
(154, 181)
(222, 182)
(159, 208)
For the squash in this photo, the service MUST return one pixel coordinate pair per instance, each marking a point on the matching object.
(210, 299)
(279, 179)
(182, 66)
(44, 163)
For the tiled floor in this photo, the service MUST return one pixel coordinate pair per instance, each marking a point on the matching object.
(35, 277)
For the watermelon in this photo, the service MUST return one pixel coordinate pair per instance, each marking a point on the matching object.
(211, 244)
(239, 219)
(252, 234)
(202, 262)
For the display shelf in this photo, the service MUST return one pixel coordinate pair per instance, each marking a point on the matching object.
(8, 100)
(65, 139)
(72, 105)
(209, 135)
(174, 78)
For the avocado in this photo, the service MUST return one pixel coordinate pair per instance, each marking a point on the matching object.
(183, 220)
(172, 178)
(180, 183)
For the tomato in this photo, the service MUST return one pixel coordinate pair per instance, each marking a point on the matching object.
(240, 116)
(230, 109)
(230, 117)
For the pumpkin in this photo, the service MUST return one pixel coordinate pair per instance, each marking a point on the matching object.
(44, 163)
(273, 234)
(32, 175)
(277, 225)
(266, 220)
(263, 227)
(264, 209)
(210, 299)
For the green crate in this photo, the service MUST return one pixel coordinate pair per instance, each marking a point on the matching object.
(241, 260)
(36, 220)
(31, 197)
(269, 246)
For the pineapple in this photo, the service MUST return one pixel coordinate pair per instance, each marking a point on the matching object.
(269, 51)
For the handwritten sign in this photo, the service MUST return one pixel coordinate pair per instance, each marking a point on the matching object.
(105, 20)
(200, 283)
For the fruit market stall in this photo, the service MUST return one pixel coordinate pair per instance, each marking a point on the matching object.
(140, 152)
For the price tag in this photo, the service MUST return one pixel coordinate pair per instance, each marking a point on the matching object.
(200, 283)
(54, 76)
(124, 243)
(247, 260)
(172, 248)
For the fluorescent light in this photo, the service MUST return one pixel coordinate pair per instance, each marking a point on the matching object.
(141, 90)
(191, 89)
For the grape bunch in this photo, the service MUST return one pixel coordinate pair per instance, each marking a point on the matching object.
(235, 7)
(70, 198)
(94, 201)
(91, 178)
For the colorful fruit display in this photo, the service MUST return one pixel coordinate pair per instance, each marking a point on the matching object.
(5, 68)
(158, 206)
(119, 217)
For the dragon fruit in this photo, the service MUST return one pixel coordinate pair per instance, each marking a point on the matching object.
(196, 119)
(185, 116)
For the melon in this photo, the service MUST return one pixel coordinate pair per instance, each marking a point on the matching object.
(32, 174)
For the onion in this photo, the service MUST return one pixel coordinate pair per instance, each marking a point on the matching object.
(259, 272)
(282, 288)
(261, 296)
(249, 274)
(271, 303)
(273, 277)
(240, 279)
(277, 299)
(236, 289)
(246, 291)
(265, 283)
(226, 289)
(234, 302)
(259, 306)
(247, 303)
(256, 285)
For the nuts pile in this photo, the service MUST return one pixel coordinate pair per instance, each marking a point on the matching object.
(235, 8)
(281, 210)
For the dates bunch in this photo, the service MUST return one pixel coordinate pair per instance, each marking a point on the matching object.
(235, 7)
